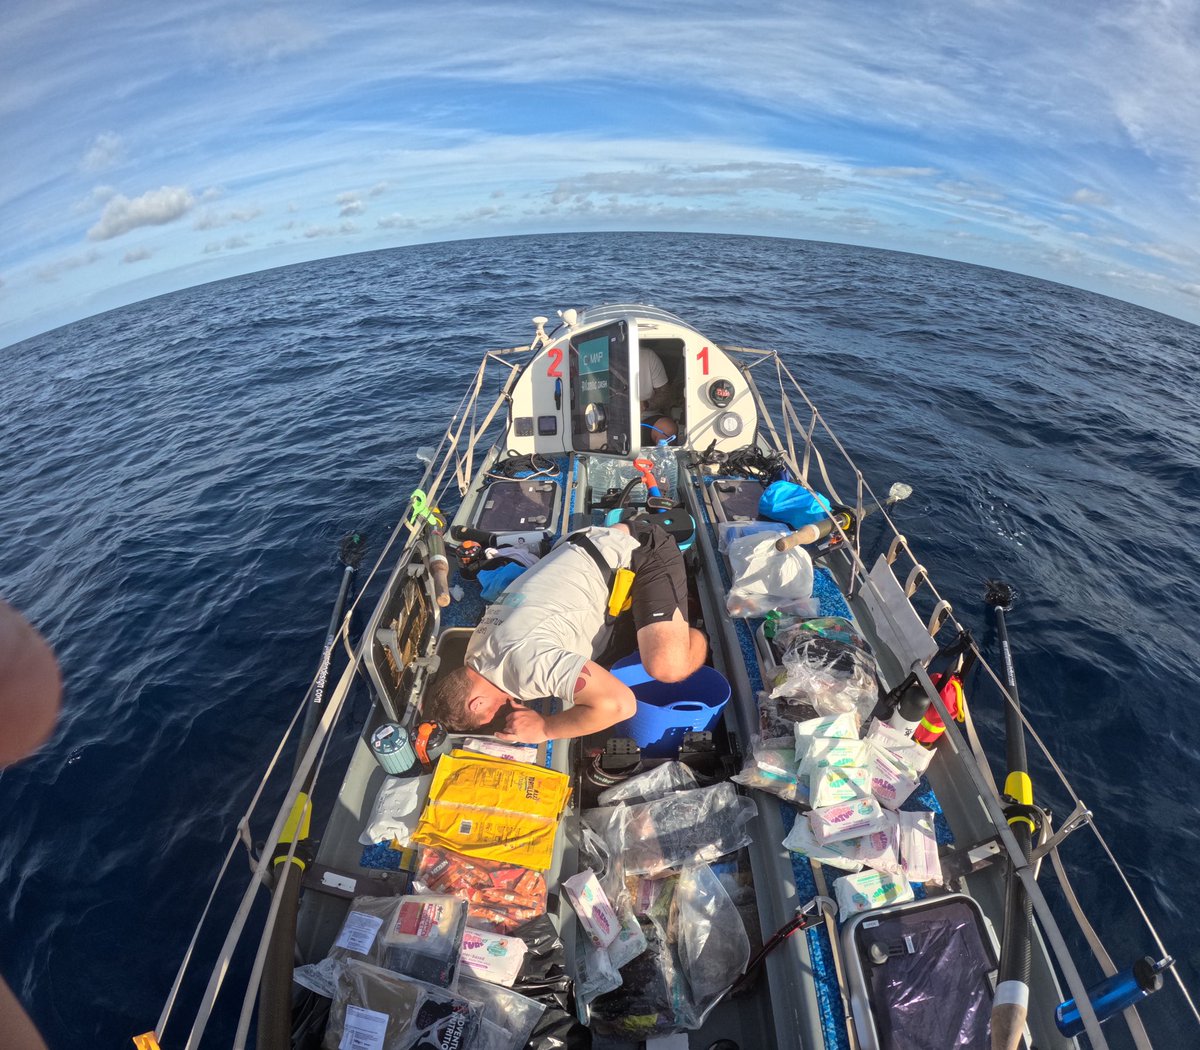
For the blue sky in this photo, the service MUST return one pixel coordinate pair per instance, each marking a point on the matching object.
(152, 146)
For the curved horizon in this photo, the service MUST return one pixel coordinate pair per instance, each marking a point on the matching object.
(153, 150)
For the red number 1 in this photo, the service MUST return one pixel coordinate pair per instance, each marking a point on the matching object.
(702, 357)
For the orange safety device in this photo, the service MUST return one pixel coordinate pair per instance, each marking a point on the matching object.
(951, 691)
(429, 742)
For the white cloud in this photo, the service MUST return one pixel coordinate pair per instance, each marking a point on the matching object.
(228, 245)
(52, 271)
(331, 231)
(896, 173)
(212, 220)
(349, 204)
(379, 189)
(106, 152)
(267, 36)
(153, 208)
(1083, 195)
(397, 221)
(136, 255)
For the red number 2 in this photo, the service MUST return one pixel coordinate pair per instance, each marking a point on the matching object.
(556, 356)
(702, 357)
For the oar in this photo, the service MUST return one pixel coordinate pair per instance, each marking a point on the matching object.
(818, 530)
(350, 554)
(275, 989)
(1011, 1004)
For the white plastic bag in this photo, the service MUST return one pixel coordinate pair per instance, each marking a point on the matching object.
(396, 811)
(766, 579)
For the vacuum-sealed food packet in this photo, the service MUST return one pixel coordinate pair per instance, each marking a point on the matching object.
(359, 937)
(424, 940)
(382, 1010)
(508, 1018)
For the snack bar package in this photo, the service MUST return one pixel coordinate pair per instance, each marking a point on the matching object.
(499, 896)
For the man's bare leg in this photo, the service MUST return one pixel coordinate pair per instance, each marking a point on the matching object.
(671, 651)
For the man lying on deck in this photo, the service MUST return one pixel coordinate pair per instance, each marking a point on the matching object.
(540, 637)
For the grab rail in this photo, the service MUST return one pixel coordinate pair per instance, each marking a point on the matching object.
(919, 583)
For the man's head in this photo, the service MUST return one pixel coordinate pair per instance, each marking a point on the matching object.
(658, 428)
(463, 700)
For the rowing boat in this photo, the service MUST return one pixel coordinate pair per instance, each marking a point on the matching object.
(765, 925)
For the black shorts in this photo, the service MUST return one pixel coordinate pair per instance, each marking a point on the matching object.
(660, 578)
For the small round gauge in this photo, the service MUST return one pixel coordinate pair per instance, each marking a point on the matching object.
(728, 424)
(720, 392)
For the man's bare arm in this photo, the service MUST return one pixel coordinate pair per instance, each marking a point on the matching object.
(601, 700)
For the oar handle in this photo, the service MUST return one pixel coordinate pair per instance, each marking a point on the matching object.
(813, 532)
(439, 568)
(805, 534)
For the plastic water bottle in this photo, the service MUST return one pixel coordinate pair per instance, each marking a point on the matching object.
(666, 468)
(1114, 994)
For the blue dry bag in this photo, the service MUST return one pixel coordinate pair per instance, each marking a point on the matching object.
(792, 504)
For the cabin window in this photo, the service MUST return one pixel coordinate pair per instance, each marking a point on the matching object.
(600, 402)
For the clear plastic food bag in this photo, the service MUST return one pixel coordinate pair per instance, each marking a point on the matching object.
(713, 946)
(829, 674)
(507, 1018)
(646, 787)
(700, 825)
(773, 770)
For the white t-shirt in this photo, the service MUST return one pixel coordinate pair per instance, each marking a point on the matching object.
(535, 638)
(651, 373)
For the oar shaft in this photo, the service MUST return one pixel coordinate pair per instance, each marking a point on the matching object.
(818, 530)
(1011, 1005)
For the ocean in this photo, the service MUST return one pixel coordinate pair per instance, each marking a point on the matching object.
(177, 474)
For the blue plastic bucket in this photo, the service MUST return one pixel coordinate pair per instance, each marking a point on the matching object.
(667, 710)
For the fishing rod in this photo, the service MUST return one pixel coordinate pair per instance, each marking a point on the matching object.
(1011, 1004)
(275, 998)
(843, 517)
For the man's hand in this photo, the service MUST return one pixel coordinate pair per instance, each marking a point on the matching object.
(524, 726)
